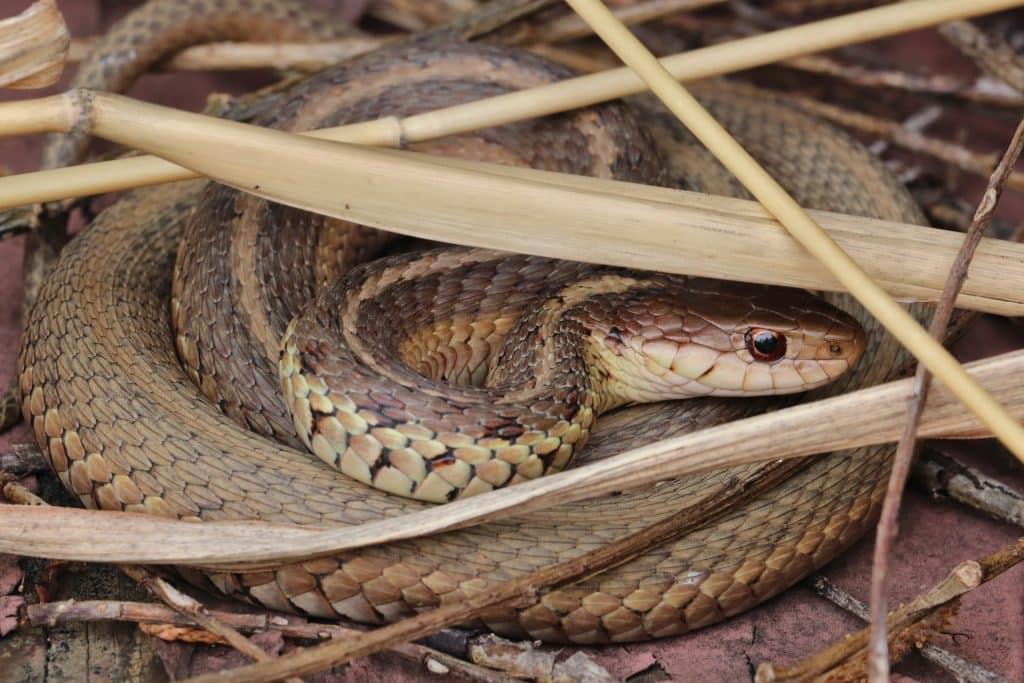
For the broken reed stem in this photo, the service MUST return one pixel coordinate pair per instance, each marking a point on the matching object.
(174, 598)
(519, 591)
(779, 203)
(855, 419)
(714, 60)
(956, 155)
(33, 46)
(878, 660)
(959, 668)
(554, 215)
(154, 616)
(965, 577)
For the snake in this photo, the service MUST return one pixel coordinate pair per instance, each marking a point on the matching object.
(151, 375)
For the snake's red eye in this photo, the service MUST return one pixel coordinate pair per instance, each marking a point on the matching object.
(765, 345)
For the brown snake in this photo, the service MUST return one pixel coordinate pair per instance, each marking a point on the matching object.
(124, 429)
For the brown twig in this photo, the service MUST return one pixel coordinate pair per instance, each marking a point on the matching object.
(515, 592)
(193, 609)
(959, 668)
(878, 662)
(147, 613)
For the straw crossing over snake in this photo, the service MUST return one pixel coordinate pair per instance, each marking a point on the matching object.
(102, 385)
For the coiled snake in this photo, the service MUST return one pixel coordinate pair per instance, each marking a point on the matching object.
(124, 429)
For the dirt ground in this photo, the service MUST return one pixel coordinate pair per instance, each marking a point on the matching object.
(934, 535)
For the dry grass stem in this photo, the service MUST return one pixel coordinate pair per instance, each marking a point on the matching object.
(576, 92)
(943, 476)
(878, 661)
(554, 215)
(33, 46)
(855, 419)
(799, 223)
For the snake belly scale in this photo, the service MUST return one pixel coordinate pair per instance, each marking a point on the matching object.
(124, 429)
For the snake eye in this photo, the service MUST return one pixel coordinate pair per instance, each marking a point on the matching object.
(765, 345)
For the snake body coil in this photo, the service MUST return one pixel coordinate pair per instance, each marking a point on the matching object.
(124, 430)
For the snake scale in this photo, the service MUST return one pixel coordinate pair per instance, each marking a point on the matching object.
(125, 428)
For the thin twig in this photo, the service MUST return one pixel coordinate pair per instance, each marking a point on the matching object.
(800, 224)
(959, 668)
(69, 611)
(520, 591)
(878, 664)
(192, 608)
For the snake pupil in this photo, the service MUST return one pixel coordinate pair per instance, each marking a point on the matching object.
(766, 345)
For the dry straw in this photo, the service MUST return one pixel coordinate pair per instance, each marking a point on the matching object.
(33, 46)
(553, 215)
(799, 223)
(558, 213)
(859, 418)
(715, 60)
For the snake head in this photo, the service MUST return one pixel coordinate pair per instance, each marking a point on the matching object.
(708, 338)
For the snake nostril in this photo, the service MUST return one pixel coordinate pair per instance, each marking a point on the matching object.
(835, 348)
